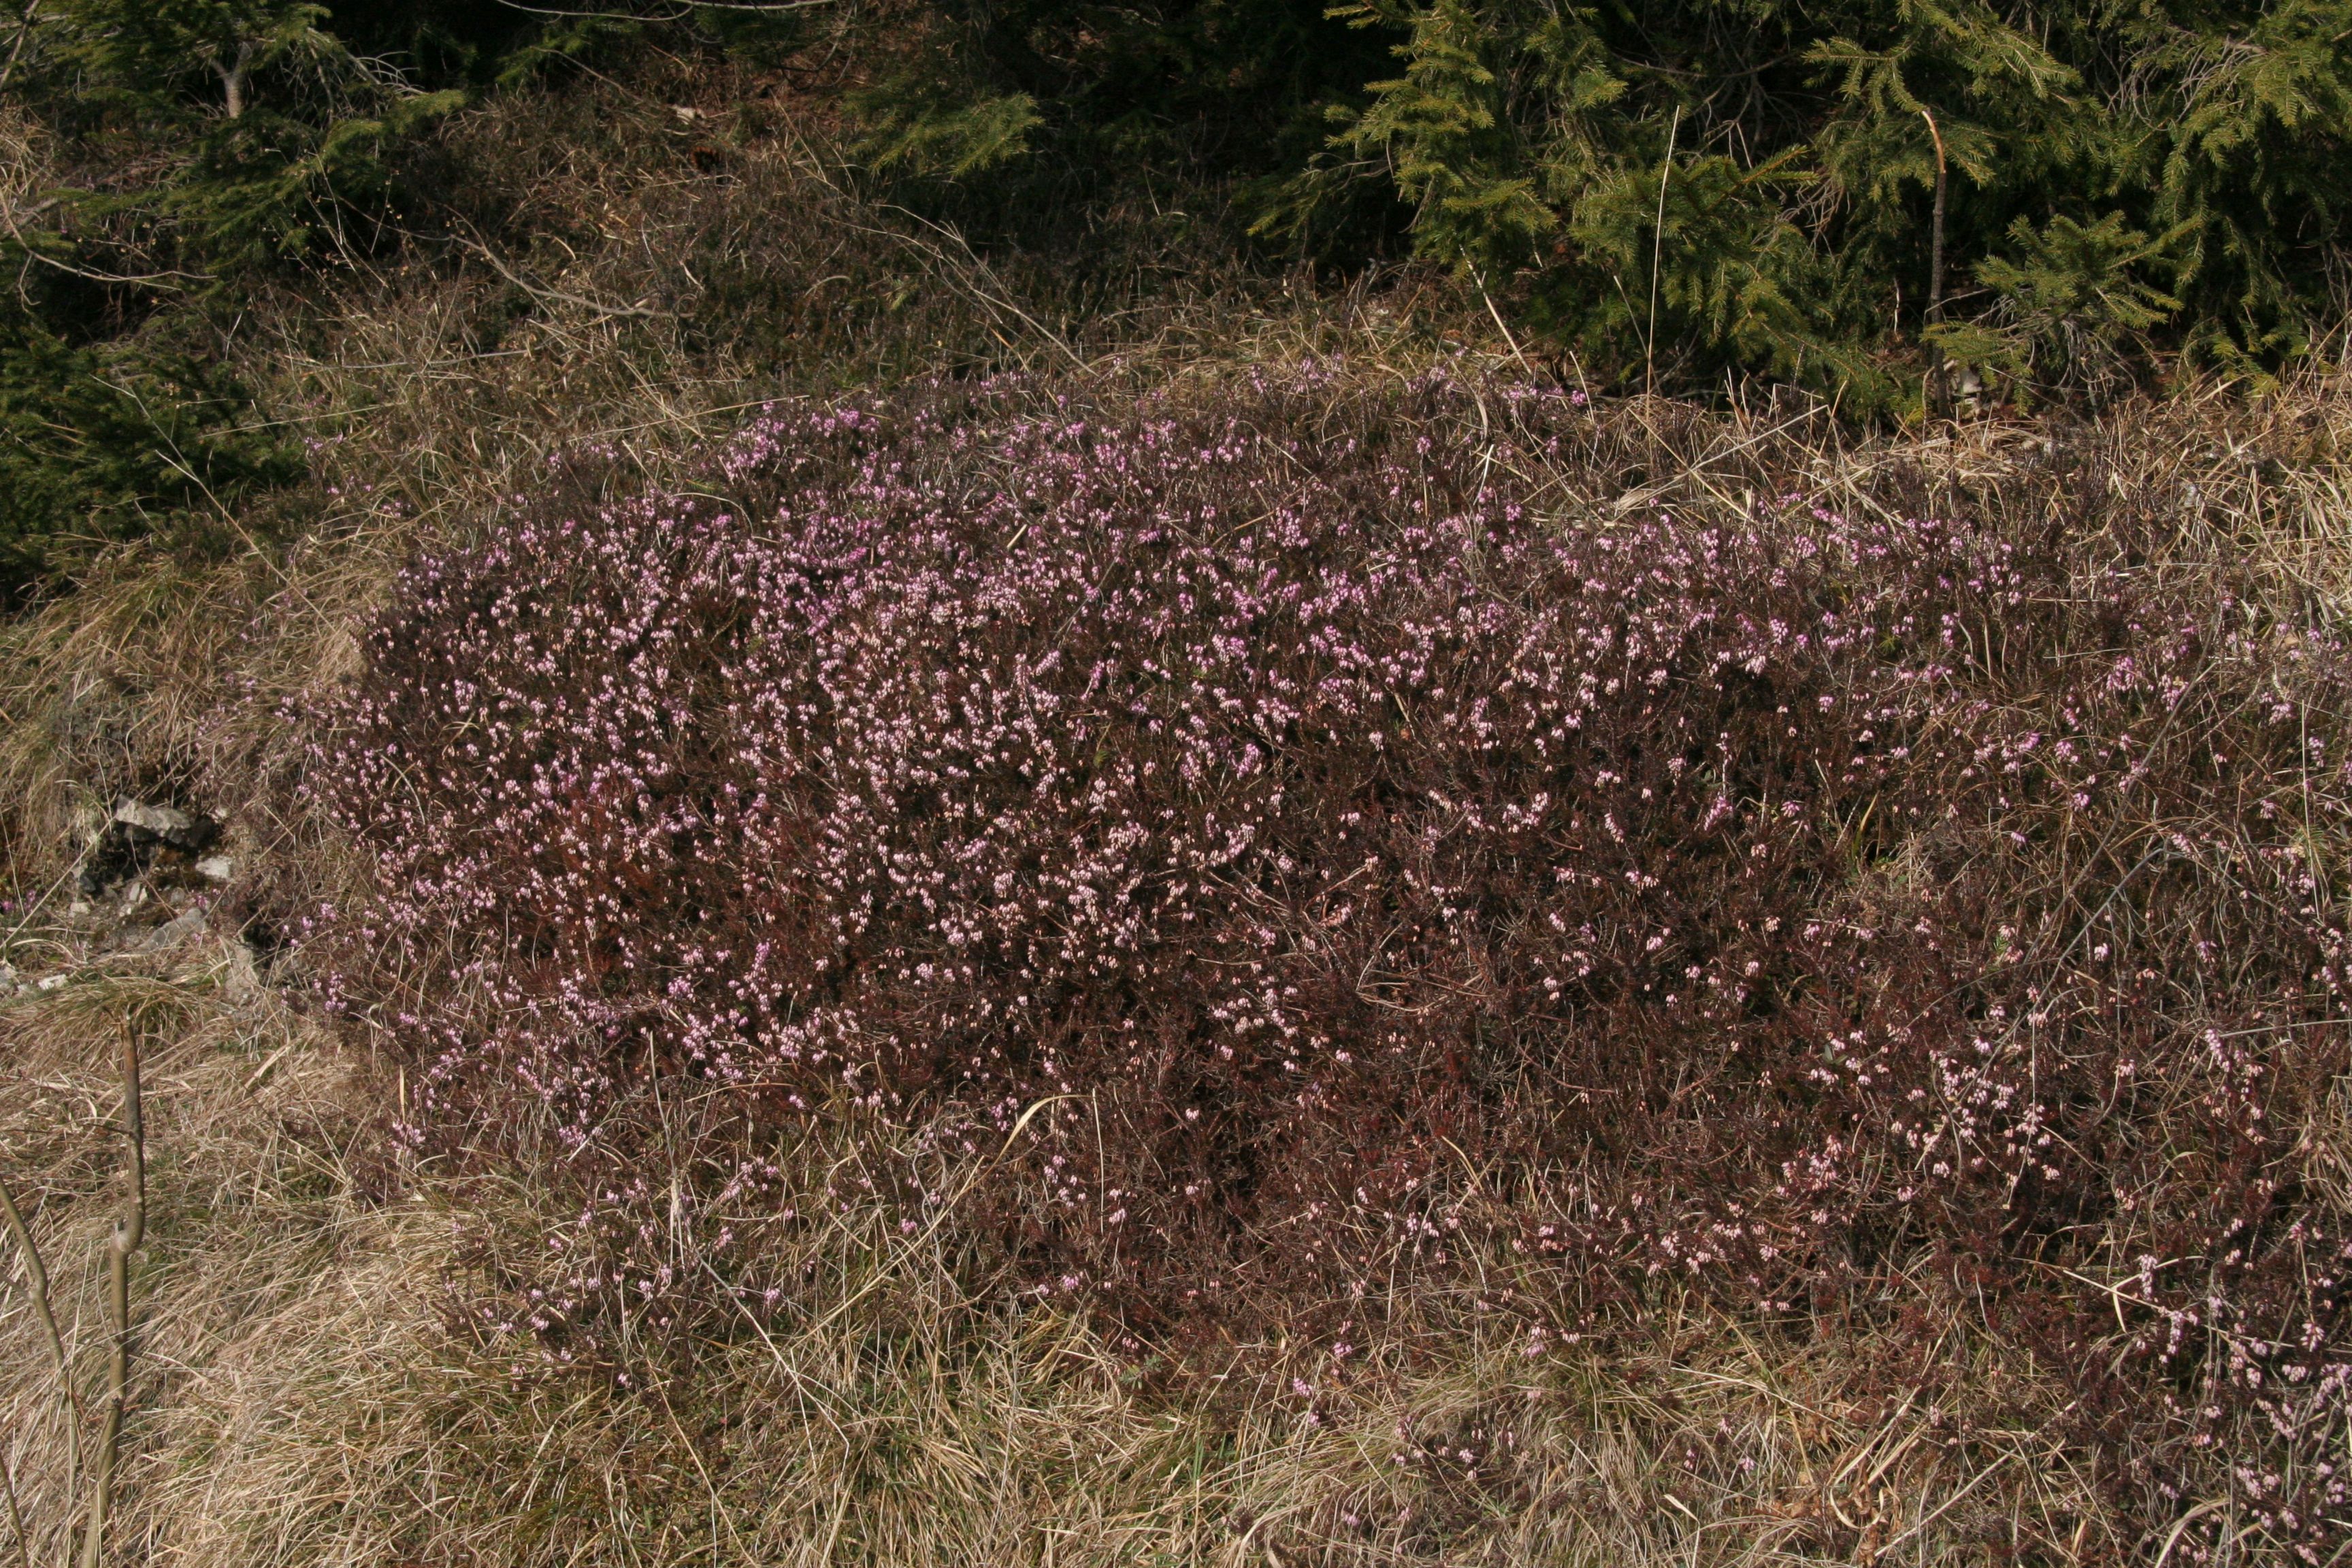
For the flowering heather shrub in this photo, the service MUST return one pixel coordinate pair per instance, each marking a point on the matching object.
(1255, 847)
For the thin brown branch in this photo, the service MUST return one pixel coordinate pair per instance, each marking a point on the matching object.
(36, 1278)
(16, 1518)
(129, 1233)
(16, 52)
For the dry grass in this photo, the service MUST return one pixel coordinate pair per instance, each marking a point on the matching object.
(302, 1398)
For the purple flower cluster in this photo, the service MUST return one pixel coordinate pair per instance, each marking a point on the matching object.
(1274, 840)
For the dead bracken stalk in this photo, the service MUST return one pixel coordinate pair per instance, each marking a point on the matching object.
(16, 1520)
(129, 1233)
(37, 1283)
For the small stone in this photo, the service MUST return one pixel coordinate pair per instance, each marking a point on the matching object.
(138, 837)
(172, 933)
(187, 832)
(162, 821)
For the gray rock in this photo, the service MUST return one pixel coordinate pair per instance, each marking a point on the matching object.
(165, 822)
(172, 932)
(187, 832)
(141, 835)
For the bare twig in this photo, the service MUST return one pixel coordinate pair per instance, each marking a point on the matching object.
(130, 1233)
(542, 294)
(36, 1278)
(1001, 300)
(1481, 282)
(1936, 269)
(1658, 250)
(16, 1518)
(16, 52)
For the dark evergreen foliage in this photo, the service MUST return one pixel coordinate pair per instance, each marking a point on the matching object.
(1671, 192)
(221, 135)
(102, 443)
(1885, 200)
(198, 144)
(1683, 188)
